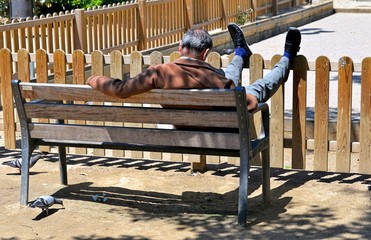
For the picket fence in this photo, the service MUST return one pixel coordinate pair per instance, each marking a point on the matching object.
(53, 68)
(130, 26)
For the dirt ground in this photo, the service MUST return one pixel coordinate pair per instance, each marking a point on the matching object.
(164, 200)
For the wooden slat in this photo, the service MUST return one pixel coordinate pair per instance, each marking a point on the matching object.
(133, 135)
(42, 77)
(79, 78)
(23, 65)
(7, 98)
(344, 115)
(276, 124)
(256, 72)
(136, 67)
(199, 161)
(29, 36)
(97, 69)
(59, 67)
(322, 113)
(299, 112)
(62, 32)
(156, 58)
(166, 97)
(36, 37)
(117, 71)
(43, 33)
(56, 33)
(153, 116)
(49, 29)
(15, 36)
(365, 124)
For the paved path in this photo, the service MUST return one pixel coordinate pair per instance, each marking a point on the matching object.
(341, 34)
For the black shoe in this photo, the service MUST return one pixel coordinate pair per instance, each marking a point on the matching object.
(238, 38)
(292, 44)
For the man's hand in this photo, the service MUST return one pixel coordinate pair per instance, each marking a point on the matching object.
(252, 102)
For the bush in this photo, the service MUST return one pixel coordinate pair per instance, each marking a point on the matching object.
(55, 6)
(43, 7)
(4, 8)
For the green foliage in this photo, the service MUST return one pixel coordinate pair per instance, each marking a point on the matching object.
(4, 8)
(54, 6)
(244, 17)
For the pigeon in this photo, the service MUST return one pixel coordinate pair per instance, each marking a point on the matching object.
(45, 202)
(100, 197)
(17, 163)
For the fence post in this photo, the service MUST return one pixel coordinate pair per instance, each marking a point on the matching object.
(294, 3)
(254, 13)
(7, 98)
(275, 7)
(142, 25)
(343, 136)
(224, 13)
(299, 104)
(189, 14)
(277, 123)
(365, 133)
(80, 30)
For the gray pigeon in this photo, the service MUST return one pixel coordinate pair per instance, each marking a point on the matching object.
(17, 163)
(45, 202)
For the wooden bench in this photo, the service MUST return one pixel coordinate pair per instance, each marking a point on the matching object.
(208, 122)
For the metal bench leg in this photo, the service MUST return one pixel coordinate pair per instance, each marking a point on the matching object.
(26, 155)
(266, 176)
(62, 165)
(243, 190)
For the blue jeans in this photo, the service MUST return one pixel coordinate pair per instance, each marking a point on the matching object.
(265, 87)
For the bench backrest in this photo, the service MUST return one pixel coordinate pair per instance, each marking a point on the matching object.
(219, 115)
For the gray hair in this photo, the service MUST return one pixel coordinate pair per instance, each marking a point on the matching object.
(197, 40)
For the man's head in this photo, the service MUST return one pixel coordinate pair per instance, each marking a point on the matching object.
(196, 43)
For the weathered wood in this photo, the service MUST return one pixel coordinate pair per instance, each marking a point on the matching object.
(59, 67)
(116, 71)
(78, 77)
(365, 124)
(42, 77)
(321, 116)
(132, 135)
(136, 67)
(276, 129)
(96, 114)
(215, 140)
(7, 98)
(256, 72)
(97, 69)
(73, 92)
(23, 65)
(299, 112)
(156, 58)
(344, 115)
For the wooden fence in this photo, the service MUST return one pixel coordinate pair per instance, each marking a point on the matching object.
(300, 142)
(135, 25)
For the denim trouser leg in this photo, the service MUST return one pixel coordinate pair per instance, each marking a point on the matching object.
(234, 69)
(265, 87)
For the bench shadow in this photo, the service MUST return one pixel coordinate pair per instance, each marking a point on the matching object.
(216, 213)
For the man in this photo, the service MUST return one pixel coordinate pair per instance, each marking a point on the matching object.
(191, 70)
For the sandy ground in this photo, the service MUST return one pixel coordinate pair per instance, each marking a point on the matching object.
(164, 200)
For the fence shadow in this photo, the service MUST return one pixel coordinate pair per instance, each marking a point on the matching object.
(212, 215)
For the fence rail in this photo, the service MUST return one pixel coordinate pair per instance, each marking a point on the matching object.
(121, 66)
(131, 26)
